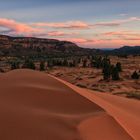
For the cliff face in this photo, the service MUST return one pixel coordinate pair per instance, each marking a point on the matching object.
(28, 46)
(30, 42)
(5, 41)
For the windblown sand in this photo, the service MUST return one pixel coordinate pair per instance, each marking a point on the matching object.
(36, 106)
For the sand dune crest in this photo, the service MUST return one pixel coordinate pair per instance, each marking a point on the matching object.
(35, 106)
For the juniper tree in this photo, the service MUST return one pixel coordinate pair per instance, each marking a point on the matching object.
(14, 65)
(119, 67)
(65, 62)
(29, 64)
(135, 75)
(115, 74)
(42, 66)
(107, 71)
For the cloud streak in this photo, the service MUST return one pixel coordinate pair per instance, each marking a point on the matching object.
(59, 34)
(23, 28)
(55, 30)
(12, 27)
(126, 35)
(118, 22)
(84, 25)
(16, 27)
(69, 25)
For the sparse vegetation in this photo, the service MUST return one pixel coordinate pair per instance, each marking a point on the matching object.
(42, 66)
(81, 85)
(135, 94)
(15, 65)
(115, 73)
(135, 75)
(29, 64)
(97, 72)
(119, 66)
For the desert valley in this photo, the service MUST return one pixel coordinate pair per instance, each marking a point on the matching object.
(79, 66)
(38, 106)
(70, 70)
(38, 101)
(92, 78)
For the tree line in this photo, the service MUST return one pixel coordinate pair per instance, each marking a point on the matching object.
(109, 71)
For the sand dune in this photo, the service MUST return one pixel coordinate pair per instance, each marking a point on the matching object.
(125, 111)
(36, 106)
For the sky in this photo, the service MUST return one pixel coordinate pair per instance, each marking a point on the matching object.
(89, 23)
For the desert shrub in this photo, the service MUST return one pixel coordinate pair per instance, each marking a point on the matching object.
(119, 66)
(133, 95)
(29, 64)
(42, 66)
(107, 71)
(15, 65)
(135, 75)
(80, 85)
(115, 74)
(1, 70)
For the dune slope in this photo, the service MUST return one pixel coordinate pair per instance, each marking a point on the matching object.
(125, 111)
(35, 106)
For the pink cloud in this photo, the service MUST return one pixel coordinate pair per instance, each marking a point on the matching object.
(123, 33)
(112, 43)
(103, 43)
(59, 33)
(108, 39)
(84, 25)
(117, 22)
(56, 33)
(22, 28)
(69, 24)
(76, 40)
(16, 27)
(126, 35)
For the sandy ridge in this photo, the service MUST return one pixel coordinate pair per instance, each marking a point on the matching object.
(125, 111)
(35, 106)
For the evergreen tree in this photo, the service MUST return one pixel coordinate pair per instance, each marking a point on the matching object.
(74, 63)
(97, 62)
(50, 63)
(29, 64)
(14, 65)
(84, 63)
(115, 74)
(107, 71)
(65, 62)
(119, 67)
(42, 66)
(135, 75)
